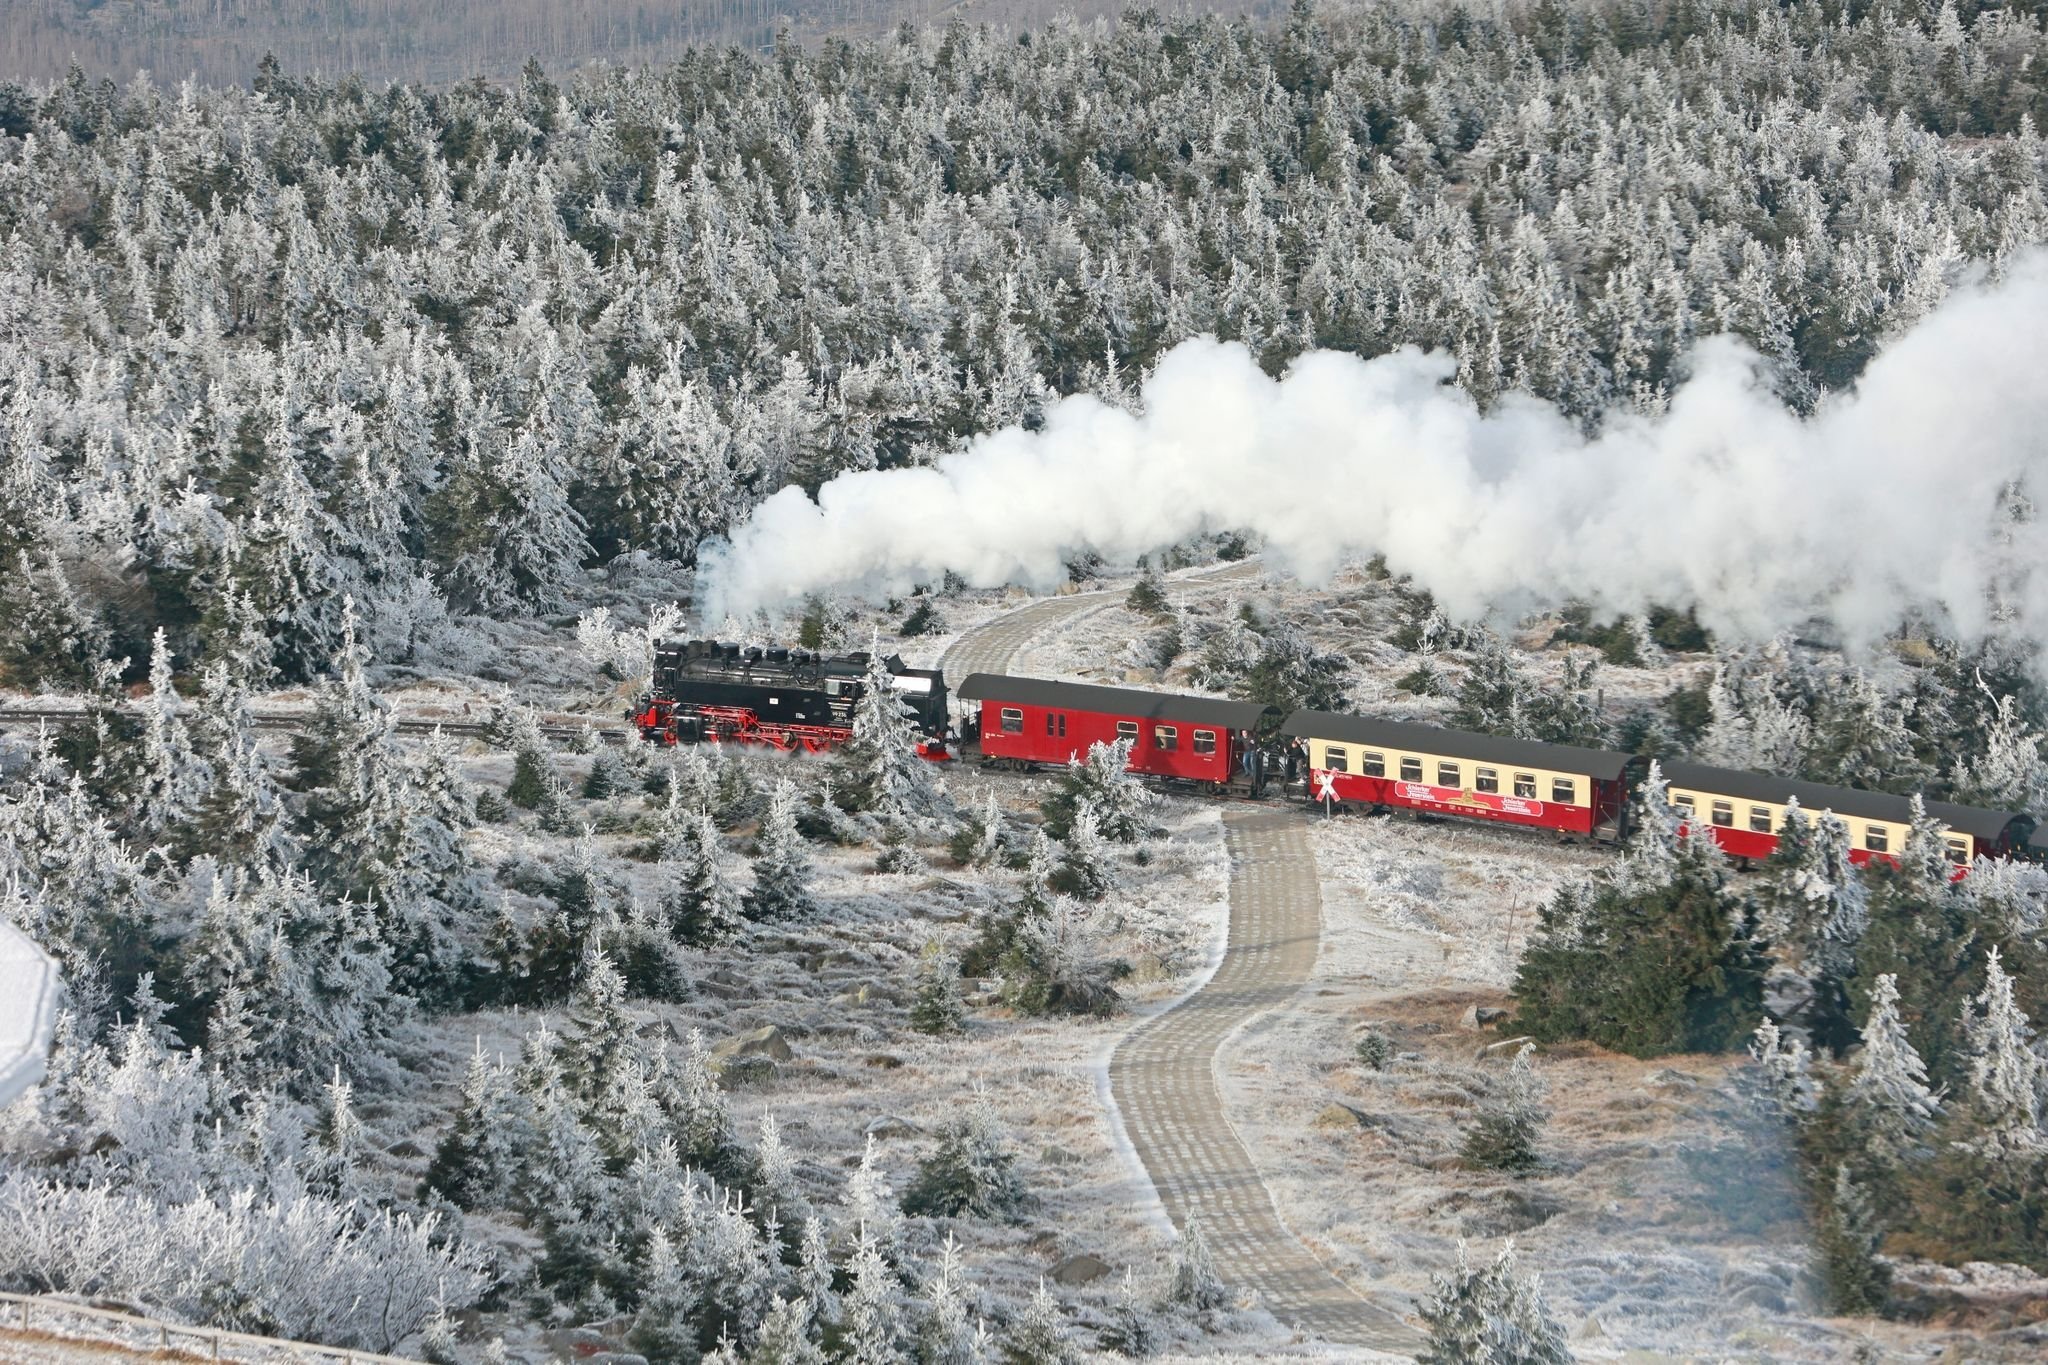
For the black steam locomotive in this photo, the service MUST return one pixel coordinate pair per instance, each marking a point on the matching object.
(786, 698)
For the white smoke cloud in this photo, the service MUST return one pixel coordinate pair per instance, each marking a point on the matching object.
(1883, 502)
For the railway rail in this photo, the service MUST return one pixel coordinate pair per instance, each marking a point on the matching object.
(559, 727)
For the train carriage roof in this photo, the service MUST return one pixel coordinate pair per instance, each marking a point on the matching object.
(1816, 797)
(1117, 701)
(1600, 764)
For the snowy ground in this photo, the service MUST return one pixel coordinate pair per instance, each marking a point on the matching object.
(1650, 1248)
(838, 989)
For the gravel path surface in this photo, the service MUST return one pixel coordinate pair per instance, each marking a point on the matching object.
(1163, 1074)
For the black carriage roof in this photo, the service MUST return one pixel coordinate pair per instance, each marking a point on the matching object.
(1117, 701)
(1816, 797)
(1600, 764)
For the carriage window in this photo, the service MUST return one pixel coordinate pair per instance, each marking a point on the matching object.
(1375, 764)
(1682, 799)
(1205, 741)
(1724, 815)
(1760, 819)
(1166, 737)
(1525, 786)
(1877, 838)
(1013, 721)
(1336, 760)
(1056, 723)
(1127, 729)
(1485, 780)
(1563, 791)
(1959, 852)
(1447, 775)
(1411, 770)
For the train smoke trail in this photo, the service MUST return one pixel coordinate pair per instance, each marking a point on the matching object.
(1885, 501)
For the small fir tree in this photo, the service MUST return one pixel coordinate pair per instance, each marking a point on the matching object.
(1194, 1285)
(972, 1173)
(782, 866)
(936, 1006)
(1504, 1139)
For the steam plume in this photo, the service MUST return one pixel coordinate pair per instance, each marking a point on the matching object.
(1888, 500)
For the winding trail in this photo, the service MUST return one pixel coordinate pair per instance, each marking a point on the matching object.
(1163, 1074)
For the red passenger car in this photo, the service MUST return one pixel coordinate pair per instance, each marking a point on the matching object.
(1745, 811)
(1029, 721)
(1354, 760)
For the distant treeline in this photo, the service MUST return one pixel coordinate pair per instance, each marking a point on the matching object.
(438, 42)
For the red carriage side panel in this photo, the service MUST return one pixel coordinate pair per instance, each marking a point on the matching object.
(1030, 720)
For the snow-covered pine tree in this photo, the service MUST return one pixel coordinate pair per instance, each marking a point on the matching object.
(1888, 1102)
(787, 1336)
(241, 816)
(1504, 1139)
(870, 1325)
(1131, 1329)
(1102, 780)
(1039, 1334)
(936, 1007)
(600, 1040)
(782, 865)
(776, 1193)
(945, 1336)
(337, 1145)
(1194, 1284)
(170, 780)
(1856, 1281)
(871, 1209)
(1651, 859)
(665, 1324)
(1490, 1316)
(1085, 869)
(1788, 1084)
(477, 1161)
(2010, 773)
(2007, 1075)
(700, 900)
(973, 1172)
(878, 768)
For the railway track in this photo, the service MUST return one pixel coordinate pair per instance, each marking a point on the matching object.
(558, 727)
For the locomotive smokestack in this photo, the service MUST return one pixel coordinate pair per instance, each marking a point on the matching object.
(1893, 498)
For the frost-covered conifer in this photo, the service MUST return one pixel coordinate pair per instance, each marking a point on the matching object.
(1787, 1081)
(973, 1172)
(936, 1006)
(1651, 859)
(478, 1159)
(814, 1272)
(786, 1336)
(1195, 1285)
(601, 1037)
(338, 1145)
(782, 867)
(944, 1334)
(871, 1210)
(1490, 1316)
(1848, 1237)
(879, 768)
(170, 780)
(2010, 773)
(775, 1189)
(1085, 869)
(2007, 1075)
(1504, 1139)
(1102, 781)
(1131, 1329)
(1888, 1098)
(700, 899)
(1039, 1335)
(870, 1324)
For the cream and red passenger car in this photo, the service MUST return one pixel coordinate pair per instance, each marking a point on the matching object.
(1358, 761)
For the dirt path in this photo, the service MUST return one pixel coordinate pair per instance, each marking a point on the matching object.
(1163, 1074)
(1163, 1077)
